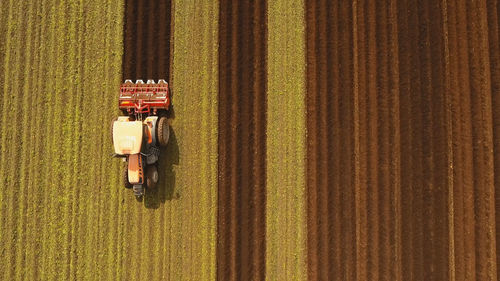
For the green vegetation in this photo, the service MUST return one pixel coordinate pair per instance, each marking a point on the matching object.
(195, 87)
(286, 148)
(59, 205)
(63, 211)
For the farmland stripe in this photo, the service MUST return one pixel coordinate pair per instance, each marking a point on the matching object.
(40, 141)
(422, 75)
(13, 94)
(55, 266)
(76, 136)
(4, 27)
(68, 146)
(49, 115)
(3, 147)
(494, 53)
(24, 172)
(30, 247)
(183, 209)
(242, 124)
(286, 209)
(190, 70)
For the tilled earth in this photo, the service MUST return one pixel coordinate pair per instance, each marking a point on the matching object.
(402, 138)
(403, 135)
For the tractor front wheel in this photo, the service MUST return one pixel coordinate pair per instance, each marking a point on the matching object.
(163, 131)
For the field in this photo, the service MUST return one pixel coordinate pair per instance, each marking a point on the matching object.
(65, 214)
(320, 140)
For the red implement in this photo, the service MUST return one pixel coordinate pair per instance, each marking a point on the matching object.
(143, 97)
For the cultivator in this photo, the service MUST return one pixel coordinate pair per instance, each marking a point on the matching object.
(144, 98)
(138, 135)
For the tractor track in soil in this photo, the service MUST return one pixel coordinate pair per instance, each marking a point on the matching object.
(242, 141)
(402, 123)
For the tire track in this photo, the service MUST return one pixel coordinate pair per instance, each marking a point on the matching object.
(242, 141)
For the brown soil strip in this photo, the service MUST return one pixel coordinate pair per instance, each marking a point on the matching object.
(493, 8)
(146, 40)
(402, 122)
(242, 141)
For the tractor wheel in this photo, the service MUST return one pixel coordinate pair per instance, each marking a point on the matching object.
(125, 177)
(151, 176)
(111, 127)
(162, 131)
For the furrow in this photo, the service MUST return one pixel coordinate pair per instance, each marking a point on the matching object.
(241, 216)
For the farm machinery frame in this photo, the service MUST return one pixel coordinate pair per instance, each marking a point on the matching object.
(141, 131)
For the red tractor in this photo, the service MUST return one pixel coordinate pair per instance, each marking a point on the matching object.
(138, 135)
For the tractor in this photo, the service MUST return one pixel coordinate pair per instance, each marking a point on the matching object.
(140, 132)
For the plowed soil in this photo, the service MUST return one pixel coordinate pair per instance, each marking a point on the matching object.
(402, 102)
(146, 40)
(242, 141)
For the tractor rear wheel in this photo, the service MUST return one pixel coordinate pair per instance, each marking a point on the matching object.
(126, 183)
(151, 176)
(162, 131)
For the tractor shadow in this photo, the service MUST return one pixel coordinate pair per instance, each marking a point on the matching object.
(165, 188)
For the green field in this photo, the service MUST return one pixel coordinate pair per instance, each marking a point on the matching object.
(60, 218)
(286, 148)
(63, 212)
